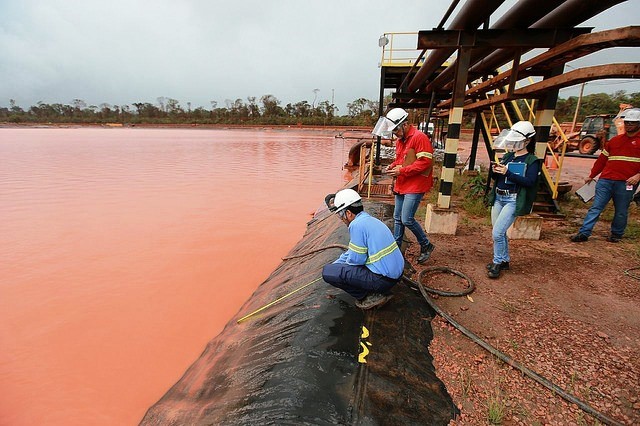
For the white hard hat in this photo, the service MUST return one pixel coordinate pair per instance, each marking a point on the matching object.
(345, 198)
(631, 114)
(521, 130)
(514, 138)
(397, 116)
(386, 125)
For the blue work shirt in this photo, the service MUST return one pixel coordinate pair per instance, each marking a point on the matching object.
(372, 244)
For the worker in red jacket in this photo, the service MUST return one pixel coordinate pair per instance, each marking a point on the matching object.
(413, 172)
(619, 168)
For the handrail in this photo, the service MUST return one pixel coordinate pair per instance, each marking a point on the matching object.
(365, 169)
(362, 166)
(398, 56)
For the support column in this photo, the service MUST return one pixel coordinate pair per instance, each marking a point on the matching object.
(380, 111)
(453, 131)
(474, 142)
(442, 219)
(450, 156)
(544, 115)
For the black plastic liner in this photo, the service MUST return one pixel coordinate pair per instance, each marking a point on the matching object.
(298, 361)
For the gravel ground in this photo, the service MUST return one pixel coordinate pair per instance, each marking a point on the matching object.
(565, 310)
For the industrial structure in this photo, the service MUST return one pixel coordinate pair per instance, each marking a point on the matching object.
(476, 67)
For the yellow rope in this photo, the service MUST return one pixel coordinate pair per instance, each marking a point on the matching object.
(277, 300)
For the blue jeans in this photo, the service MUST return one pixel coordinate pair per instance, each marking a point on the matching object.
(607, 189)
(403, 215)
(503, 214)
(357, 280)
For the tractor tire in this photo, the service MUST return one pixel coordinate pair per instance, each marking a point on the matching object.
(588, 145)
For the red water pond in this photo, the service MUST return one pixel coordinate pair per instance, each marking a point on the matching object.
(124, 251)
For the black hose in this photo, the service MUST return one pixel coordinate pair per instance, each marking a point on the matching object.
(470, 287)
(502, 356)
(295, 256)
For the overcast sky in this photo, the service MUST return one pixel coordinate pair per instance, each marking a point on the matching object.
(124, 51)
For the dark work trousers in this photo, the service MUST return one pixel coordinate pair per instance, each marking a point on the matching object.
(357, 280)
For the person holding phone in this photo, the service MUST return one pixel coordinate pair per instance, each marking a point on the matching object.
(514, 191)
(413, 173)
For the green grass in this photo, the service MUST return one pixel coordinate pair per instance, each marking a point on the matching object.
(496, 410)
(476, 207)
(572, 383)
(571, 204)
(515, 345)
(633, 228)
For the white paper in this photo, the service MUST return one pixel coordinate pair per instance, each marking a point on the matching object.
(587, 192)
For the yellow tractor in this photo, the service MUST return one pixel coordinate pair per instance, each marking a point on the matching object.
(596, 130)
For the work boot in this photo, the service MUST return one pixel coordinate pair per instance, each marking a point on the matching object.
(373, 300)
(579, 238)
(504, 266)
(494, 271)
(425, 253)
(614, 238)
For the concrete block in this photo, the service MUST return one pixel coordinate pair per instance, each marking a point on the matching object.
(440, 221)
(526, 228)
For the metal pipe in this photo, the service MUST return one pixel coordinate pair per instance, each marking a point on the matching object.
(448, 13)
(522, 14)
(472, 15)
(569, 14)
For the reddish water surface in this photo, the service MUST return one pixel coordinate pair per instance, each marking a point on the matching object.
(123, 251)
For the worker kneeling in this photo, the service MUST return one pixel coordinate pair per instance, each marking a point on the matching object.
(373, 264)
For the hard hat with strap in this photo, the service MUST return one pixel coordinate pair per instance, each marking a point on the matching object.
(516, 137)
(397, 116)
(346, 198)
(521, 130)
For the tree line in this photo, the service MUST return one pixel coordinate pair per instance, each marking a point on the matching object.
(597, 103)
(267, 110)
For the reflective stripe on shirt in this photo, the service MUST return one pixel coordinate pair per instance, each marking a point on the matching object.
(623, 158)
(382, 253)
(358, 249)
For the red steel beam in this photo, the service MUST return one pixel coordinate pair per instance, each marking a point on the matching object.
(580, 46)
(598, 72)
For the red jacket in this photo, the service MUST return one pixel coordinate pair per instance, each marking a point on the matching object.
(416, 177)
(620, 158)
